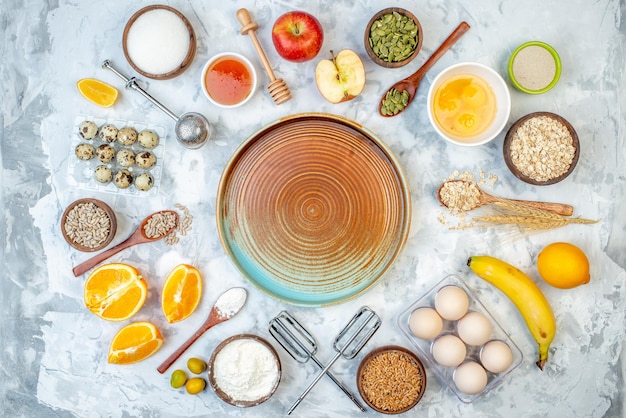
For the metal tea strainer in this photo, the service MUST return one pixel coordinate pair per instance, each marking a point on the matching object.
(192, 129)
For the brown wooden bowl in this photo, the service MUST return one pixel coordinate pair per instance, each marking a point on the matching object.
(112, 229)
(391, 349)
(376, 58)
(191, 53)
(506, 149)
(223, 395)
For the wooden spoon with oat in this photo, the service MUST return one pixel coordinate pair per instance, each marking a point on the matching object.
(466, 195)
(153, 228)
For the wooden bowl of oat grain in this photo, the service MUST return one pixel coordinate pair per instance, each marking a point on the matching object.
(88, 224)
(541, 148)
(391, 379)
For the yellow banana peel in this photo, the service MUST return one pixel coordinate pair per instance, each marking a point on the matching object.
(526, 296)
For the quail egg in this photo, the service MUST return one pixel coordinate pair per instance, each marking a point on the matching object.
(144, 182)
(127, 135)
(125, 157)
(148, 138)
(84, 151)
(108, 133)
(123, 179)
(105, 153)
(88, 129)
(145, 159)
(103, 174)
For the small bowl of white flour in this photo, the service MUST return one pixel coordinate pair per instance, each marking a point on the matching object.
(244, 370)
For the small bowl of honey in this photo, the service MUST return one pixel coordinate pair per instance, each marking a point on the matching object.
(228, 80)
(469, 104)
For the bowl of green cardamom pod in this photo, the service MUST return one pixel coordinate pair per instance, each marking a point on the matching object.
(393, 37)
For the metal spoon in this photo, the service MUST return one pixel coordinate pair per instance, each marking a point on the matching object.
(485, 198)
(192, 129)
(215, 317)
(412, 82)
(137, 237)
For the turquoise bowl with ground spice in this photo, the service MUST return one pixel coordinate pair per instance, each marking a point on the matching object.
(534, 67)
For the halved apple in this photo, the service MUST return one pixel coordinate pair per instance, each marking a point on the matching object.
(340, 78)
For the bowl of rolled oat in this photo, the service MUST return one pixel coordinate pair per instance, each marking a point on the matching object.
(541, 148)
(391, 379)
(88, 224)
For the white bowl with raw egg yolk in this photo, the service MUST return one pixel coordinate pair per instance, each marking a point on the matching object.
(469, 104)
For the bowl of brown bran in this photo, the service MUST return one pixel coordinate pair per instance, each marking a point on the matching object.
(391, 379)
(541, 148)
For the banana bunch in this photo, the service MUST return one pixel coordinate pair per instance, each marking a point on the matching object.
(523, 292)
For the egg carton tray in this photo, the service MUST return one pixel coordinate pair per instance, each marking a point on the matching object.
(445, 374)
(80, 173)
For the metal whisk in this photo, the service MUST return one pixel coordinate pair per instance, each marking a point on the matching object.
(348, 343)
(302, 346)
(192, 129)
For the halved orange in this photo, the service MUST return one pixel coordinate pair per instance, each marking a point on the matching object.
(181, 292)
(115, 291)
(135, 342)
(97, 91)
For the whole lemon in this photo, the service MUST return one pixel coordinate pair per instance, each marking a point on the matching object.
(563, 265)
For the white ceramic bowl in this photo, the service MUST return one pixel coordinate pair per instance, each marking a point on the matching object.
(243, 60)
(501, 93)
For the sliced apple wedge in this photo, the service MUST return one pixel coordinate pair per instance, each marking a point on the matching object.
(340, 78)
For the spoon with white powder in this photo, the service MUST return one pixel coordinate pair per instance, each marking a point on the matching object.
(227, 305)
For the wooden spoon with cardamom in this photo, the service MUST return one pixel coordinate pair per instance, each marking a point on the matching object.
(471, 191)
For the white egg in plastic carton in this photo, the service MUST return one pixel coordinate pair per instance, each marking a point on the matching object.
(459, 340)
(140, 176)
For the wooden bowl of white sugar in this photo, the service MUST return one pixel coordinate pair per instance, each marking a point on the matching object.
(244, 370)
(159, 42)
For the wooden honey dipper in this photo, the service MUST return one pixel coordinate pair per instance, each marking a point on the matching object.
(278, 88)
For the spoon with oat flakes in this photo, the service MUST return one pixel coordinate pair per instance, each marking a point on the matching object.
(463, 195)
(155, 227)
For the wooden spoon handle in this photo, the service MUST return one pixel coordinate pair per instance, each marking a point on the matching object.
(559, 208)
(447, 44)
(87, 265)
(179, 352)
(247, 28)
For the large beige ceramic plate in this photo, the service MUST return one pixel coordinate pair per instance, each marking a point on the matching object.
(313, 209)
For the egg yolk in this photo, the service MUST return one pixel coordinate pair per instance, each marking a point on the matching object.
(464, 106)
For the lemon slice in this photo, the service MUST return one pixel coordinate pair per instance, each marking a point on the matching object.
(97, 91)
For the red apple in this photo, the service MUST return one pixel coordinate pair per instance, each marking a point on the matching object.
(297, 36)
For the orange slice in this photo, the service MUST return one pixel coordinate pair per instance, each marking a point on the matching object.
(181, 292)
(135, 342)
(97, 91)
(115, 291)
